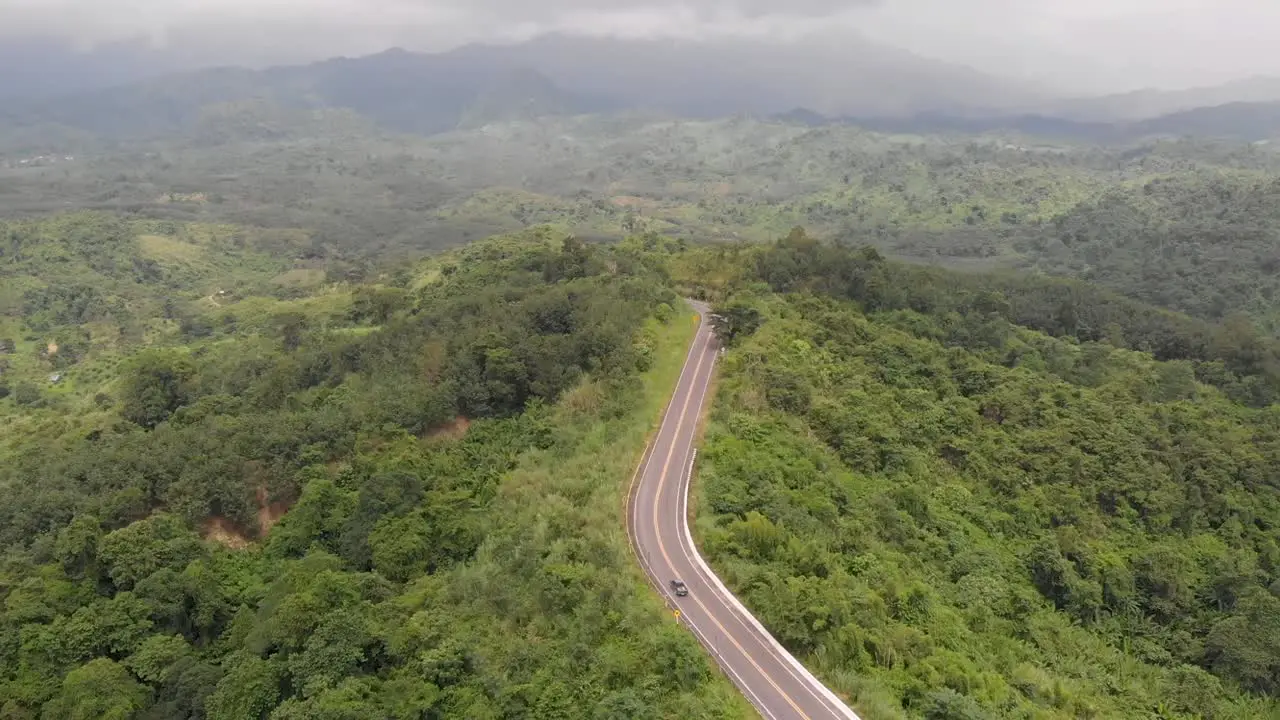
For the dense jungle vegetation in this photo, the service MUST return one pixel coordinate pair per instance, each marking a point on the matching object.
(272, 483)
(395, 499)
(967, 497)
(1188, 224)
(262, 460)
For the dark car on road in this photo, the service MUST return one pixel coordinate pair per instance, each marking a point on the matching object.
(679, 588)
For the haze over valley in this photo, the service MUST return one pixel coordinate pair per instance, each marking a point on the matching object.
(353, 355)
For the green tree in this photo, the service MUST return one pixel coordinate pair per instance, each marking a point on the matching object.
(98, 690)
(337, 648)
(377, 305)
(249, 691)
(735, 320)
(316, 519)
(292, 326)
(26, 393)
(76, 546)
(1246, 646)
(156, 383)
(157, 656)
(132, 553)
(947, 704)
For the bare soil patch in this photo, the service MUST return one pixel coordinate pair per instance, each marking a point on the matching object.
(224, 532)
(455, 430)
(269, 513)
(228, 534)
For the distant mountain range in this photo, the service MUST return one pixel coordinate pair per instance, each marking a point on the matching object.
(1147, 104)
(832, 79)
(1234, 121)
(832, 75)
(434, 92)
(400, 91)
(837, 74)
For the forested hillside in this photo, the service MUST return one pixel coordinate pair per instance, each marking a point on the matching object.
(83, 291)
(397, 90)
(260, 459)
(138, 93)
(397, 499)
(1205, 243)
(1183, 224)
(955, 509)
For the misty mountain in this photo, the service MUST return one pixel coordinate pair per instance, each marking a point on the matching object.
(412, 92)
(813, 83)
(428, 93)
(1147, 104)
(44, 67)
(398, 90)
(1242, 121)
(1234, 121)
(834, 75)
(837, 74)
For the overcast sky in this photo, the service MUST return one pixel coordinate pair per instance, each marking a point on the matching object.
(1100, 45)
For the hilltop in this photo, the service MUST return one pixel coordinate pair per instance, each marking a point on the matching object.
(394, 497)
(955, 498)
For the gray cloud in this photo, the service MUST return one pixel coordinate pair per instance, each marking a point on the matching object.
(1103, 44)
(106, 19)
(1086, 44)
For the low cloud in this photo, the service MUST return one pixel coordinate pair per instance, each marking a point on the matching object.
(1091, 44)
(255, 32)
(99, 20)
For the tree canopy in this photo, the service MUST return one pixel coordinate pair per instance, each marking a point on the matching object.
(956, 500)
(392, 501)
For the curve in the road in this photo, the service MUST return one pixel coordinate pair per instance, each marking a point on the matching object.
(772, 679)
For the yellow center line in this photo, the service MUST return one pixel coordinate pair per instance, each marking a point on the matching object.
(662, 480)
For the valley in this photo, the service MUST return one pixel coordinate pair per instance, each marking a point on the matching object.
(322, 385)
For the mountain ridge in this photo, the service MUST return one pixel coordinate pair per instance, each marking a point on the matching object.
(880, 88)
(400, 91)
(696, 79)
(834, 74)
(1245, 121)
(725, 76)
(1148, 103)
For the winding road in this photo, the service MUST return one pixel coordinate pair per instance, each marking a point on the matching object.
(657, 521)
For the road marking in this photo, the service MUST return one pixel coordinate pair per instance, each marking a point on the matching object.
(647, 564)
(722, 594)
(662, 480)
(647, 455)
(816, 687)
(745, 619)
(746, 689)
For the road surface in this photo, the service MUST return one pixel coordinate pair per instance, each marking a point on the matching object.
(775, 682)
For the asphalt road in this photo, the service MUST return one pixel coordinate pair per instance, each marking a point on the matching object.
(775, 682)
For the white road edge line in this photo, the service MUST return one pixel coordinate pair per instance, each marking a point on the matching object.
(691, 553)
(800, 671)
(742, 685)
(702, 639)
